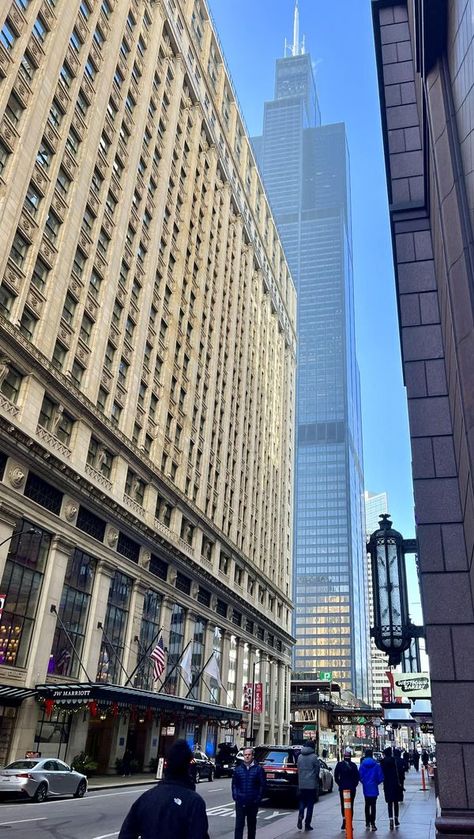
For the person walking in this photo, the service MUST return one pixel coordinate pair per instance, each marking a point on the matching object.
(371, 776)
(397, 753)
(308, 784)
(406, 761)
(392, 786)
(127, 763)
(172, 809)
(248, 786)
(416, 759)
(425, 758)
(346, 776)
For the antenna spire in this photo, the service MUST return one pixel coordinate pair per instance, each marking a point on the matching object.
(296, 30)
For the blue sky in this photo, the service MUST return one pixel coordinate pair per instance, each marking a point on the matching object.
(339, 38)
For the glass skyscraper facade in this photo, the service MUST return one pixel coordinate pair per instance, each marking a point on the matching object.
(305, 168)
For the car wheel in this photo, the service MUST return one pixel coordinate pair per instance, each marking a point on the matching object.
(211, 774)
(81, 790)
(41, 793)
(197, 777)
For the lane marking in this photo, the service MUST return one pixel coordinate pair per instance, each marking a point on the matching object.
(106, 835)
(22, 821)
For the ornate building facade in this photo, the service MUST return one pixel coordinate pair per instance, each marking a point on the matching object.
(147, 386)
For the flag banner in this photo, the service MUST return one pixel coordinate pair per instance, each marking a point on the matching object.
(185, 665)
(158, 658)
(212, 669)
(247, 697)
(258, 701)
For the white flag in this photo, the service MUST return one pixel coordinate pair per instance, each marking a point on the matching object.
(212, 668)
(185, 665)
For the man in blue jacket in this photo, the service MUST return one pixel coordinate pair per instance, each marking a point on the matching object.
(248, 786)
(371, 776)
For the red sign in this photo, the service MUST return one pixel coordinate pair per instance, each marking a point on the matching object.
(2, 604)
(258, 702)
(386, 694)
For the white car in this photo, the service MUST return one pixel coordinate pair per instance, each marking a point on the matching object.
(40, 778)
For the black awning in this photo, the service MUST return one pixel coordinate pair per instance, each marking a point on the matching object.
(13, 697)
(80, 693)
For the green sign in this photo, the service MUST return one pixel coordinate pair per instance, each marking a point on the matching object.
(311, 727)
(361, 720)
(325, 675)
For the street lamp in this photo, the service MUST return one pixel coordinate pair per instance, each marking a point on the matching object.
(393, 630)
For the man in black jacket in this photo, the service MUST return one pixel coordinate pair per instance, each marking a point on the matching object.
(248, 786)
(172, 809)
(346, 776)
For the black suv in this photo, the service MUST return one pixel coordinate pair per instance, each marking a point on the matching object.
(202, 767)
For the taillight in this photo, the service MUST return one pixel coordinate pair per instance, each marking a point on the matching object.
(23, 775)
(291, 768)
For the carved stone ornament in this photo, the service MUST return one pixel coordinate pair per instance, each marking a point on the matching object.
(70, 510)
(112, 537)
(16, 476)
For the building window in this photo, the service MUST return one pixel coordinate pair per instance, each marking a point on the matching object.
(33, 199)
(52, 226)
(89, 523)
(183, 583)
(214, 685)
(197, 655)
(6, 301)
(21, 583)
(221, 608)
(128, 547)
(175, 647)
(73, 612)
(77, 372)
(158, 567)
(40, 274)
(63, 182)
(4, 155)
(59, 355)
(69, 308)
(102, 398)
(86, 329)
(149, 633)
(56, 420)
(112, 649)
(100, 458)
(94, 284)
(14, 109)
(44, 155)
(43, 493)
(11, 384)
(27, 324)
(116, 413)
(7, 36)
(19, 249)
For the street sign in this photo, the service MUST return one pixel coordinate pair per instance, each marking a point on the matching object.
(325, 676)
(412, 685)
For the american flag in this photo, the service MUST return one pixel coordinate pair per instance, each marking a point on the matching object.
(158, 658)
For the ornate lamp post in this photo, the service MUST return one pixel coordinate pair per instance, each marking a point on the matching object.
(393, 630)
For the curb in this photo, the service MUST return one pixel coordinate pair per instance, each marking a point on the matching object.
(92, 787)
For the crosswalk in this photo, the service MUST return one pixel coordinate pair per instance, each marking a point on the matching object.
(228, 810)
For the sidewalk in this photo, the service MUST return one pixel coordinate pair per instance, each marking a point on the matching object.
(111, 781)
(417, 815)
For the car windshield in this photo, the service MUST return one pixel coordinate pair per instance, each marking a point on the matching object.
(22, 764)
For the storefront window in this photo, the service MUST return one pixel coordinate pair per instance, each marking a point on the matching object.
(149, 632)
(175, 648)
(197, 658)
(73, 613)
(112, 649)
(21, 584)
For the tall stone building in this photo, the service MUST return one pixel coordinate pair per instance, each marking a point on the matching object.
(147, 382)
(305, 168)
(425, 55)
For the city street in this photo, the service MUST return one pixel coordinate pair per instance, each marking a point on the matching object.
(100, 814)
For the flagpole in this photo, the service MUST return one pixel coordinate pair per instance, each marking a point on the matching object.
(109, 642)
(54, 611)
(142, 659)
(195, 681)
(176, 665)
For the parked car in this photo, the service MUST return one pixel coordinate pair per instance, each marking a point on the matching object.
(281, 772)
(39, 779)
(202, 767)
(225, 759)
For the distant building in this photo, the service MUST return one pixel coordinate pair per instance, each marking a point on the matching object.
(305, 167)
(376, 503)
(147, 388)
(425, 57)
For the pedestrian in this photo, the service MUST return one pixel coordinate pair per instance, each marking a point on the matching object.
(171, 809)
(248, 786)
(425, 758)
(392, 786)
(416, 759)
(371, 776)
(127, 762)
(400, 768)
(308, 784)
(346, 776)
(406, 761)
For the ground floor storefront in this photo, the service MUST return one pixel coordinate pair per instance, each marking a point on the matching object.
(122, 729)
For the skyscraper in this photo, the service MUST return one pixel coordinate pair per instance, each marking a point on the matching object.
(147, 380)
(305, 168)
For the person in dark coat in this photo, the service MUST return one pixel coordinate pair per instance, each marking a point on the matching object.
(416, 759)
(127, 762)
(346, 776)
(308, 784)
(425, 758)
(248, 787)
(172, 809)
(371, 776)
(406, 761)
(392, 786)
(400, 768)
